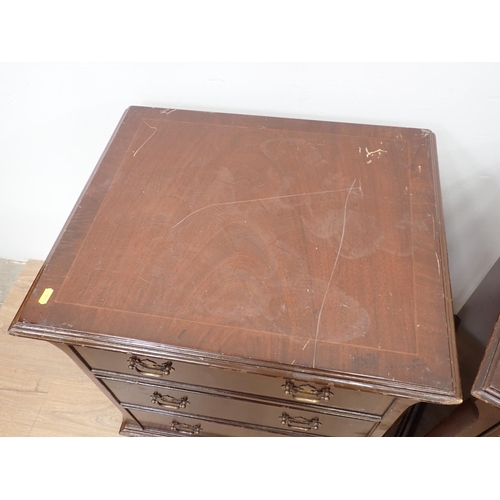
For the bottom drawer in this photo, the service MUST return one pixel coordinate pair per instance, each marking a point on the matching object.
(186, 425)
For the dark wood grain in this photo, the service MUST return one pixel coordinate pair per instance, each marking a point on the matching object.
(289, 248)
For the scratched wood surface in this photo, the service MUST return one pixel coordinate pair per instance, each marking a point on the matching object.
(42, 392)
(314, 244)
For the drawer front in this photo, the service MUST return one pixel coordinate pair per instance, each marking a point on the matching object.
(186, 425)
(257, 385)
(238, 410)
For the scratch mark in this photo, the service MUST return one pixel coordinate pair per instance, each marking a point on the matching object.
(154, 129)
(333, 271)
(438, 263)
(292, 362)
(371, 153)
(167, 111)
(305, 345)
(261, 199)
(142, 279)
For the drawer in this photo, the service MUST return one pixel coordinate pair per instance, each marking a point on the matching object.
(239, 410)
(256, 385)
(186, 425)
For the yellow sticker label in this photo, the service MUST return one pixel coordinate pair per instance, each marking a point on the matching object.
(45, 296)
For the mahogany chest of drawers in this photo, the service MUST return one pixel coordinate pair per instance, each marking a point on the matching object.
(229, 275)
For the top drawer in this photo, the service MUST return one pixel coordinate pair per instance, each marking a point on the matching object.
(218, 378)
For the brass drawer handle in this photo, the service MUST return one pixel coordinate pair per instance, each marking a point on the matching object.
(150, 368)
(306, 393)
(166, 401)
(300, 423)
(190, 430)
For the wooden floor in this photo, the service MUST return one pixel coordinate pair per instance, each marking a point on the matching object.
(42, 392)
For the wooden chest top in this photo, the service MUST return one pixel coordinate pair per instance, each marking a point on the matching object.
(270, 242)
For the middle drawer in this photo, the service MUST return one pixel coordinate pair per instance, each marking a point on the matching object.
(228, 407)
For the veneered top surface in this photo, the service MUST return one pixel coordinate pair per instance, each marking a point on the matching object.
(313, 244)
